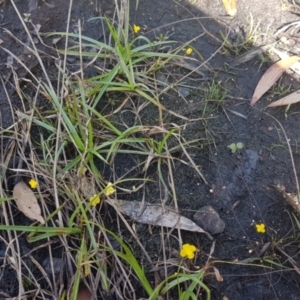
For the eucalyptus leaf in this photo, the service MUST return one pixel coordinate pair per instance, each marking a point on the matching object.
(27, 202)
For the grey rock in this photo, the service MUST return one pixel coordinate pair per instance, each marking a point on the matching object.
(207, 218)
(183, 92)
(57, 265)
(161, 77)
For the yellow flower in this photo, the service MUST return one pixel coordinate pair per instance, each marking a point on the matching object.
(94, 200)
(109, 189)
(260, 228)
(136, 28)
(188, 51)
(188, 251)
(33, 183)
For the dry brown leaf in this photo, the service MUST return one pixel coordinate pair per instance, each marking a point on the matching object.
(27, 202)
(218, 275)
(230, 6)
(272, 75)
(289, 99)
(155, 214)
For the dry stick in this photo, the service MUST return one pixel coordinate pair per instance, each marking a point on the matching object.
(57, 145)
(289, 259)
(25, 127)
(36, 54)
(190, 73)
(44, 207)
(25, 131)
(130, 229)
(171, 182)
(187, 20)
(205, 32)
(59, 122)
(80, 51)
(187, 75)
(198, 20)
(15, 254)
(291, 154)
(162, 233)
(118, 211)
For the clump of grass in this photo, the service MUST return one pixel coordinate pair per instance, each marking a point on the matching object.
(74, 137)
(214, 95)
(215, 91)
(279, 89)
(242, 43)
(133, 60)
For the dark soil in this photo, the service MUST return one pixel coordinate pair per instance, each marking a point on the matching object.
(241, 185)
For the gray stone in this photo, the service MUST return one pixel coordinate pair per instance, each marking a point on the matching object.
(207, 218)
(183, 92)
(57, 265)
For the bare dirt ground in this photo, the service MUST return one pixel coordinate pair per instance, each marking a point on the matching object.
(241, 185)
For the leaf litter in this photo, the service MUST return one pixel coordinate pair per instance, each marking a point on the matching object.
(27, 202)
(287, 100)
(155, 214)
(272, 75)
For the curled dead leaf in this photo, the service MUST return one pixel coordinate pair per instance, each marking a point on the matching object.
(272, 75)
(27, 202)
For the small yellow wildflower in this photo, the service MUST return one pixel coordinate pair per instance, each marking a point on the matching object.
(188, 251)
(260, 228)
(109, 190)
(136, 28)
(188, 51)
(33, 183)
(94, 200)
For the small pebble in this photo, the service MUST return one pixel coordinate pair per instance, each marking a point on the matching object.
(207, 218)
